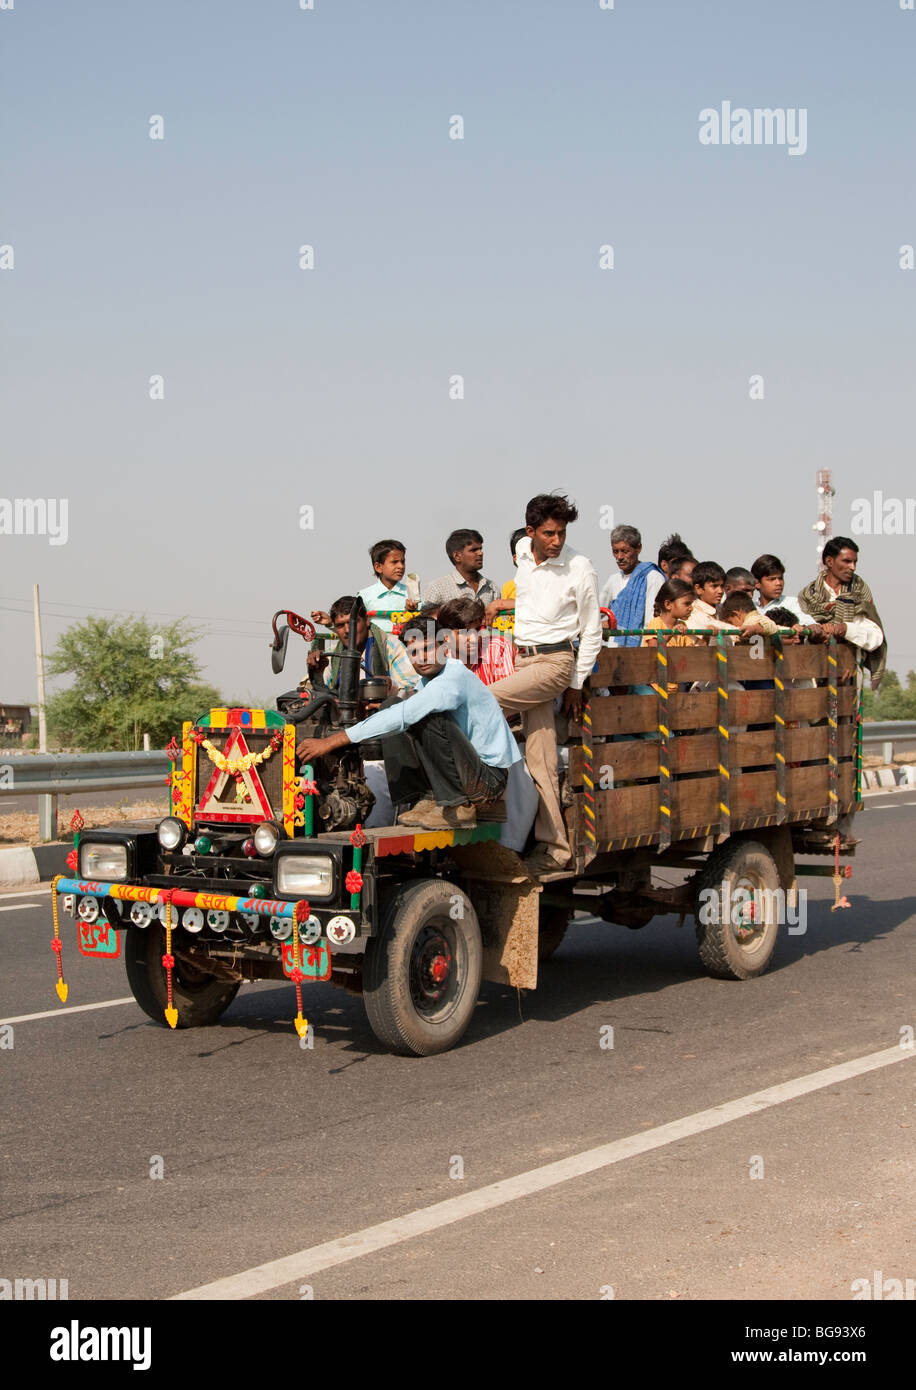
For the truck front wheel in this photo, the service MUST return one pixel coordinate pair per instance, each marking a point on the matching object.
(737, 910)
(421, 974)
(199, 997)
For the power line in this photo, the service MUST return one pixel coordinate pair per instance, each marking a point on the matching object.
(128, 612)
(232, 625)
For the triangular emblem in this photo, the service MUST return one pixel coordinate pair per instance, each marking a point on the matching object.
(220, 801)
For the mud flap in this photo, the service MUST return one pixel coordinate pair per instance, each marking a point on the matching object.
(506, 902)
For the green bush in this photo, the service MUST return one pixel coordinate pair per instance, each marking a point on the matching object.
(127, 679)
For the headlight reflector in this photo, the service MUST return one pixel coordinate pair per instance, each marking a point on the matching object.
(171, 832)
(305, 876)
(103, 861)
(266, 837)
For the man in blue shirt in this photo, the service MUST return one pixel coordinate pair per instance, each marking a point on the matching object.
(448, 744)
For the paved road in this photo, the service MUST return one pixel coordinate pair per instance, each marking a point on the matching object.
(268, 1149)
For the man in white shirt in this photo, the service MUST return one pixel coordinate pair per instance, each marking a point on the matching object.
(556, 606)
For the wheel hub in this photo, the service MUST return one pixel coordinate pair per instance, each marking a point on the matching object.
(431, 968)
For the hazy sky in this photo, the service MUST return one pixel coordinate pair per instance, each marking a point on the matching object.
(329, 388)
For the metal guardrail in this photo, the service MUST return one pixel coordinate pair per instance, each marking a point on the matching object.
(879, 730)
(33, 775)
(887, 732)
(50, 775)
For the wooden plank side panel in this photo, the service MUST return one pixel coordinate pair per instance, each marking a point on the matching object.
(695, 802)
(752, 750)
(624, 666)
(847, 700)
(750, 707)
(695, 711)
(699, 752)
(691, 664)
(806, 787)
(623, 714)
(845, 659)
(694, 752)
(636, 665)
(750, 663)
(846, 783)
(636, 758)
(806, 704)
(804, 661)
(619, 714)
(806, 745)
(754, 794)
(626, 811)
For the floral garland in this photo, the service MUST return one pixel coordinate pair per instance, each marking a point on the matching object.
(234, 766)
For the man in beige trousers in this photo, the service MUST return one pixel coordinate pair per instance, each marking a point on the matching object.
(556, 606)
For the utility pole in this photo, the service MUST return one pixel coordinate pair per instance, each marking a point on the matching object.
(40, 672)
(47, 805)
(825, 495)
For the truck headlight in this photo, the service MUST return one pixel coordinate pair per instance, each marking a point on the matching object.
(304, 876)
(171, 832)
(102, 861)
(266, 837)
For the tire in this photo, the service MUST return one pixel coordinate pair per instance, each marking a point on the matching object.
(731, 872)
(552, 924)
(413, 1009)
(199, 998)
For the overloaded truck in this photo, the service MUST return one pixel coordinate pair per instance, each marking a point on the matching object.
(738, 765)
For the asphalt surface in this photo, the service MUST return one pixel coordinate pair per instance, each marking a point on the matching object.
(267, 1148)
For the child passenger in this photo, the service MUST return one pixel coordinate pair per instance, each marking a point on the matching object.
(673, 603)
(389, 592)
(738, 610)
(708, 587)
(770, 577)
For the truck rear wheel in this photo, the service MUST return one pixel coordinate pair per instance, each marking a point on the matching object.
(737, 910)
(199, 997)
(421, 974)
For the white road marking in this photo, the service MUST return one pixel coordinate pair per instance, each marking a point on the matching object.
(32, 893)
(74, 1009)
(19, 907)
(305, 1263)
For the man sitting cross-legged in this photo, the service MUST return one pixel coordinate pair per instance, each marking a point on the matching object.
(447, 745)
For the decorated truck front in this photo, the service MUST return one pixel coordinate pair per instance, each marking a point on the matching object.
(232, 873)
(262, 870)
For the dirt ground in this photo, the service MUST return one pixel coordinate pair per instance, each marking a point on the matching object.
(21, 827)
